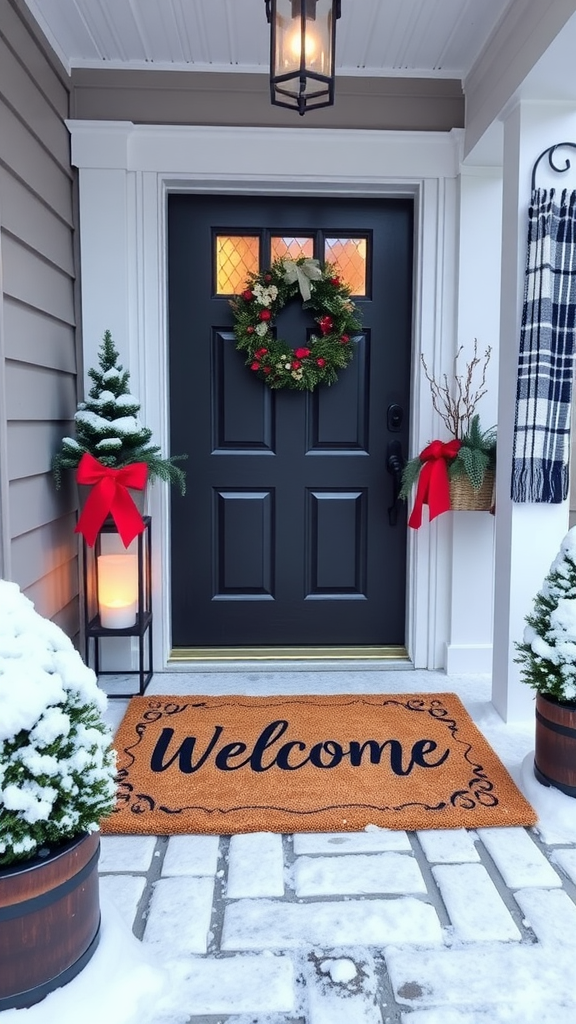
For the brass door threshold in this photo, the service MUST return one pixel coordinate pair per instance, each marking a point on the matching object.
(182, 654)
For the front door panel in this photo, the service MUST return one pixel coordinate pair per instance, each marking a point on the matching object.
(285, 536)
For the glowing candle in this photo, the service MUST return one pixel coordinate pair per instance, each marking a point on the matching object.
(117, 590)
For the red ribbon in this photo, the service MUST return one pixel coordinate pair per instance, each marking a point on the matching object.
(109, 494)
(433, 483)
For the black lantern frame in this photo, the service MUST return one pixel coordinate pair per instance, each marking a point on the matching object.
(302, 52)
(95, 632)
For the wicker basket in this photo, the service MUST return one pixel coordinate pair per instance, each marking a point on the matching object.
(463, 497)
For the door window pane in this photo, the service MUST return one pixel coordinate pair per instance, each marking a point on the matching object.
(348, 256)
(291, 248)
(237, 256)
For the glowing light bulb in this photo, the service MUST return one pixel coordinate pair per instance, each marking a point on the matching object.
(294, 45)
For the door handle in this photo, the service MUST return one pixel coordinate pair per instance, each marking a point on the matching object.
(395, 466)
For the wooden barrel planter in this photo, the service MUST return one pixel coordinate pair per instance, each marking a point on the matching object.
(555, 749)
(49, 920)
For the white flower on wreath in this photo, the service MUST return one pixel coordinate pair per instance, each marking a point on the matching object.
(261, 329)
(265, 296)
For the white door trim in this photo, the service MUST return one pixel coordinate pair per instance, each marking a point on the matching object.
(126, 172)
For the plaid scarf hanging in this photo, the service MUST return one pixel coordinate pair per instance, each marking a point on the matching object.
(546, 359)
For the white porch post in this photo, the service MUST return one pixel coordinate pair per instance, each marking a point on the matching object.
(527, 535)
(469, 647)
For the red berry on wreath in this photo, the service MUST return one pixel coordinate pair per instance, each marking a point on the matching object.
(301, 353)
(335, 281)
(255, 366)
(261, 352)
(326, 324)
(267, 369)
(344, 339)
(267, 278)
(247, 295)
(296, 364)
(321, 362)
(249, 330)
(265, 314)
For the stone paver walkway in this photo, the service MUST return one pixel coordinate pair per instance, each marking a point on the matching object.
(378, 927)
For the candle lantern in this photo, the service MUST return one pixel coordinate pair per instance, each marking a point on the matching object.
(117, 590)
(118, 600)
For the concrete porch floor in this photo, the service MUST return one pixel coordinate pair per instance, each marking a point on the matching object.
(437, 927)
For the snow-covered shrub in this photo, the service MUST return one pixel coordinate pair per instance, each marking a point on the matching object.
(57, 767)
(548, 651)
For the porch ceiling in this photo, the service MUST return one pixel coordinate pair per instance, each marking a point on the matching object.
(411, 38)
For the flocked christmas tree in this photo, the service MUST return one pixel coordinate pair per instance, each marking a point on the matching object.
(108, 427)
(548, 653)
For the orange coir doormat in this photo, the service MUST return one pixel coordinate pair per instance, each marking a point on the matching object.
(230, 764)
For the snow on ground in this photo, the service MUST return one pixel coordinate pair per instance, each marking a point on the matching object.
(330, 944)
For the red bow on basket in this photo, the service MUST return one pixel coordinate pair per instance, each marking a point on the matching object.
(433, 483)
(109, 494)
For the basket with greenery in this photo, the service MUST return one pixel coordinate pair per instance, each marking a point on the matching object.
(109, 429)
(455, 402)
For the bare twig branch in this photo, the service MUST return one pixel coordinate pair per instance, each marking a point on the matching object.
(456, 404)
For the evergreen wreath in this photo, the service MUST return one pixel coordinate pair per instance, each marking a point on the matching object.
(272, 359)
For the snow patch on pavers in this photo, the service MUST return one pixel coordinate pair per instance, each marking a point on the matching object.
(448, 846)
(191, 855)
(238, 984)
(519, 976)
(373, 840)
(540, 1014)
(341, 989)
(255, 866)
(474, 905)
(125, 892)
(566, 859)
(550, 913)
(518, 859)
(268, 924)
(358, 874)
(126, 853)
(179, 915)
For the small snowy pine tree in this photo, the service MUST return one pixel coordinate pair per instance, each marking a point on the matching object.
(108, 427)
(548, 651)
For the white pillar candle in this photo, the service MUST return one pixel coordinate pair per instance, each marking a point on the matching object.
(117, 590)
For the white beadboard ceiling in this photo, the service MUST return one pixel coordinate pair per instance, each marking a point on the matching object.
(439, 38)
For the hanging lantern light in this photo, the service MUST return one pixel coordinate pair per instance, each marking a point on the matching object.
(302, 52)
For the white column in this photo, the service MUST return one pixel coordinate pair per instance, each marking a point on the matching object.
(469, 649)
(527, 535)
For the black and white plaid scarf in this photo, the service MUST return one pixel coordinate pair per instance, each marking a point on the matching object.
(546, 359)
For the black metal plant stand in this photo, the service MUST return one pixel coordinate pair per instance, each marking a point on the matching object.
(95, 632)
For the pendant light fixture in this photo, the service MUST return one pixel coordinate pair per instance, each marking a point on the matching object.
(302, 52)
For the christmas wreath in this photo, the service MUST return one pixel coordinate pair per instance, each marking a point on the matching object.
(326, 351)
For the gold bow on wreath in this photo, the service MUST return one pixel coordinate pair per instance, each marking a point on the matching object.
(304, 272)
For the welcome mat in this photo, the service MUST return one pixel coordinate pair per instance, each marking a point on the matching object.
(229, 764)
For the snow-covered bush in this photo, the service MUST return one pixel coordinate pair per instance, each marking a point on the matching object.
(57, 767)
(108, 426)
(548, 652)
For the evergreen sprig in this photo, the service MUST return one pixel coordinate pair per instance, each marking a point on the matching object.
(108, 427)
(476, 456)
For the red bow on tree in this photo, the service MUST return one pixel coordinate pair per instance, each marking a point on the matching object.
(109, 494)
(433, 483)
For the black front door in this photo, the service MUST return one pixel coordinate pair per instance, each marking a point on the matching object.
(287, 535)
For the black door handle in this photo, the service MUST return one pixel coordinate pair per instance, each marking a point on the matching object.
(395, 466)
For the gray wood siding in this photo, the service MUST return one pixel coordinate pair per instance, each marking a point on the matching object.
(38, 352)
